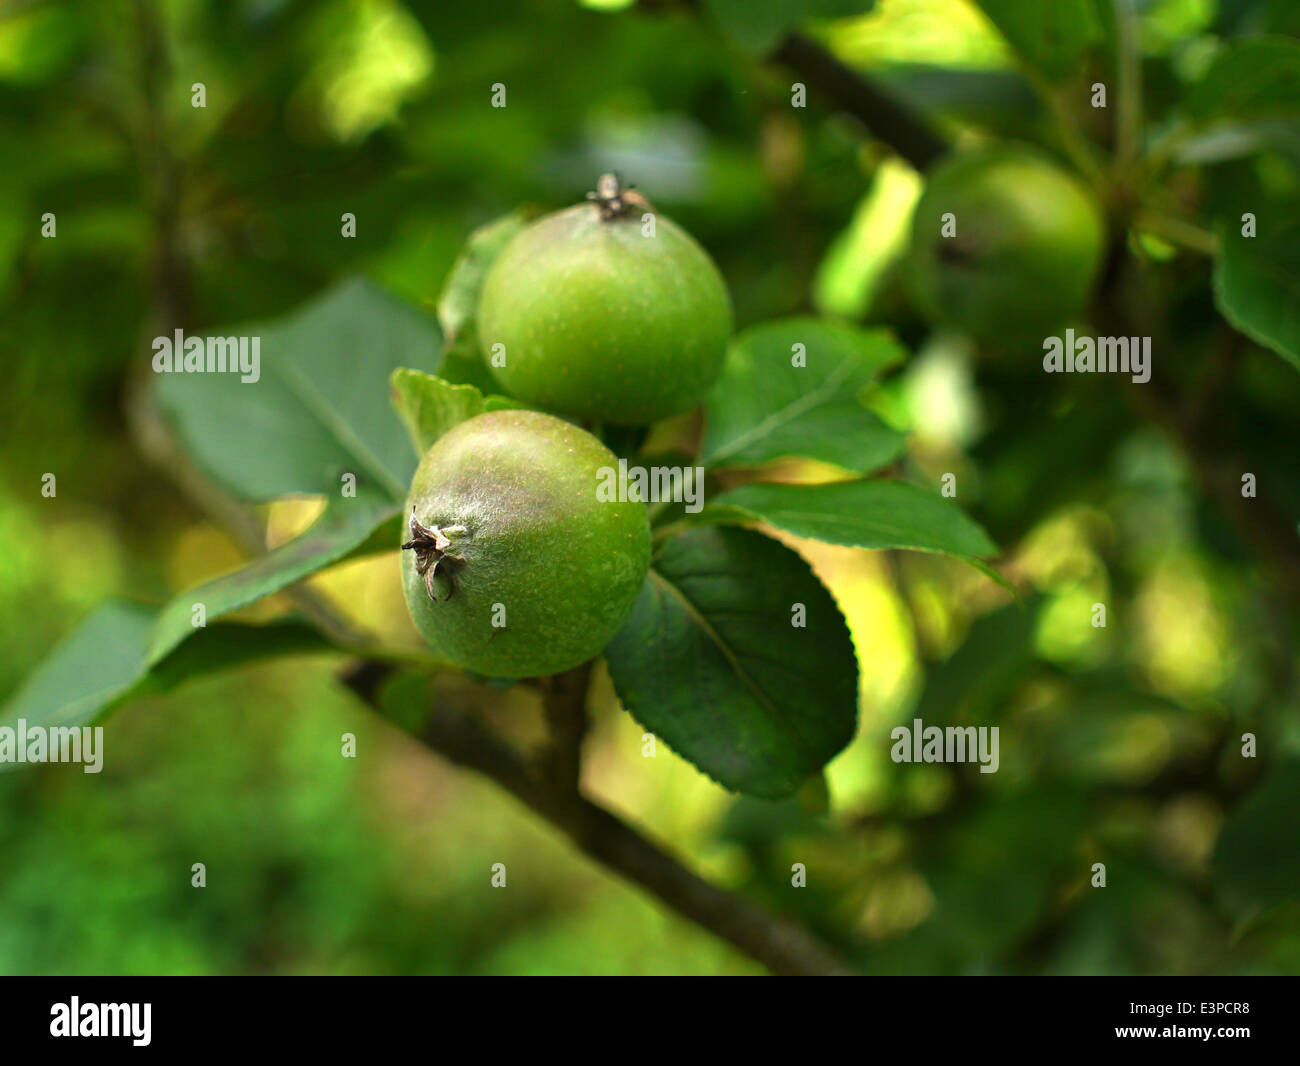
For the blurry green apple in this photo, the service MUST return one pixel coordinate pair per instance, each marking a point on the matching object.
(1025, 245)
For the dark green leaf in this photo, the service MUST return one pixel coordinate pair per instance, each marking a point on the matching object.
(382, 538)
(1257, 284)
(1257, 858)
(1251, 78)
(861, 514)
(764, 407)
(227, 645)
(971, 685)
(1050, 37)
(710, 661)
(994, 867)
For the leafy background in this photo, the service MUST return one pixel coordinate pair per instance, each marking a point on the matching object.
(1118, 744)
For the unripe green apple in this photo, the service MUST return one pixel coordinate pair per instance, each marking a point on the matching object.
(610, 313)
(1026, 250)
(513, 566)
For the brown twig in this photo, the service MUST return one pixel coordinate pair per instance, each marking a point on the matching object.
(564, 702)
(884, 117)
(160, 173)
(783, 946)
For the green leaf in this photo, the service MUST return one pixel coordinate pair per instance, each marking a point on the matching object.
(1049, 37)
(764, 407)
(462, 362)
(757, 824)
(404, 699)
(317, 411)
(382, 538)
(108, 656)
(1257, 284)
(1256, 860)
(759, 25)
(121, 646)
(993, 866)
(228, 645)
(319, 408)
(861, 514)
(92, 666)
(971, 686)
(458, 302)
(344, 526)
(1250, 78)
(710, 662)
(429, 406)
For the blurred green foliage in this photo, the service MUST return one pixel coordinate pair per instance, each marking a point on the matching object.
(1120, 745)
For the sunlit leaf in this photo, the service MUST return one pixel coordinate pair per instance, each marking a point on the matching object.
(861, 514)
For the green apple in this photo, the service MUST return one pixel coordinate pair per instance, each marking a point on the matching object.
(1025, 244)
(513, 566)
(613, 314)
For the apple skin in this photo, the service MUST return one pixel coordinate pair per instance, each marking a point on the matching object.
(1028, 246)
(538, 549)
(600, 321)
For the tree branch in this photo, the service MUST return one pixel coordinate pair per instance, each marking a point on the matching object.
(884, 117)
(564, 702)
(781, 945)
